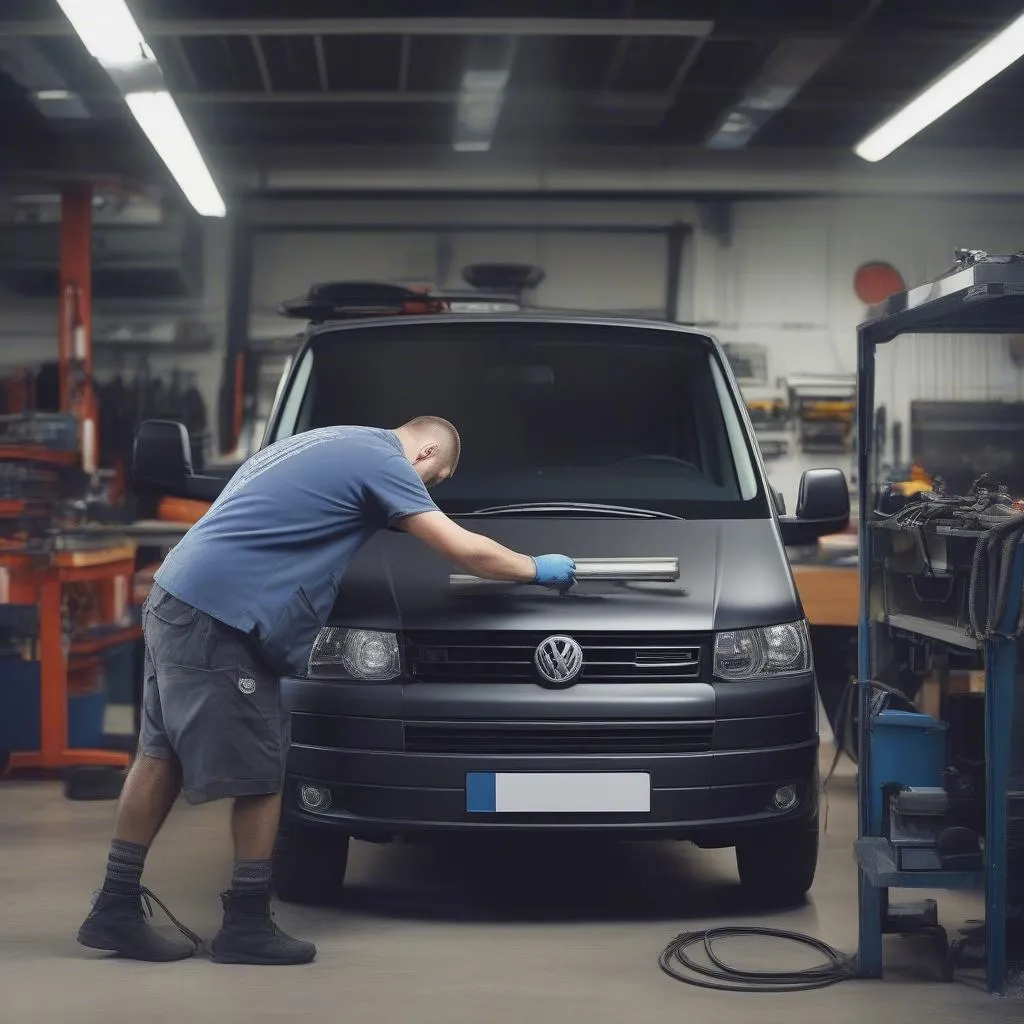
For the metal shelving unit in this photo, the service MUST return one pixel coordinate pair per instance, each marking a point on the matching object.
(979, 297)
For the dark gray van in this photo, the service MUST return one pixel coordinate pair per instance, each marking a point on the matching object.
(671, 693)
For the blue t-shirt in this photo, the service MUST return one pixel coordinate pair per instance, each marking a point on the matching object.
(269, 555)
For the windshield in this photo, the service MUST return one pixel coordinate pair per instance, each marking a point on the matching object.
(548, 412)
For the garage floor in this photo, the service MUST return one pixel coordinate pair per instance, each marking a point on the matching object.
(540, 931)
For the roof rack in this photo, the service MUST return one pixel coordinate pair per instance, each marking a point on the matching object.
(339, 300)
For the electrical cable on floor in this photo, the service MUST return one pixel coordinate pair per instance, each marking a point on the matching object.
(676, 962)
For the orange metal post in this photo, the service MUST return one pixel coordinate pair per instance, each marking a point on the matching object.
(76, 390)
(53, 669)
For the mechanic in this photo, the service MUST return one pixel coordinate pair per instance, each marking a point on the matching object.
(238, 603)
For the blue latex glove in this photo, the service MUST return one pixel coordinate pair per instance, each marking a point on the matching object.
(555, 571)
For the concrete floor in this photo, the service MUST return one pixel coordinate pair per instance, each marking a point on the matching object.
(540, 931)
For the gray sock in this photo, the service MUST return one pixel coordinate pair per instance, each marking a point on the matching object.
(124, 868)
(250, 877)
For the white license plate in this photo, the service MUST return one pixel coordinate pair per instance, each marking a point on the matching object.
(558, 792)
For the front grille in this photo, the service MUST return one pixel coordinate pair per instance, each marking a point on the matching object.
(555, 738)
(507, 657)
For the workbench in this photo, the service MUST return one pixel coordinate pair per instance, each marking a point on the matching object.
(39, 579)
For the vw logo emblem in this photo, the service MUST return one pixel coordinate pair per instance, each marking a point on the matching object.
(558, 659)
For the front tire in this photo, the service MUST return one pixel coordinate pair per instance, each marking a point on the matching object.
(309, 865)
(777, 864)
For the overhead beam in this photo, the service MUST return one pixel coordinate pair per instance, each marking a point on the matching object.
(629, 172)
(967, 31)
(640, 101)
(403, 64)
(615, 64)
(685, 67)
(390, 27)
(261, 64)
(321, 64)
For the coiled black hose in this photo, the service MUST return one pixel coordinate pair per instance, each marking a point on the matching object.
(1003, 537)
(676, 962)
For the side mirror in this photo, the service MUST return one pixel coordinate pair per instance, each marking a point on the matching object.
(822, 507)
(162, 463)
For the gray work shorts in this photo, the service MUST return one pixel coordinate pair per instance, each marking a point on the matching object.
(210, 700)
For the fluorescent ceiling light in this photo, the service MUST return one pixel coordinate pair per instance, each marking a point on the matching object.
(955, 85)
(108, 30)
(160, 119)
(109, 33)
(481, 98)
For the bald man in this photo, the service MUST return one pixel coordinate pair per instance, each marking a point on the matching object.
(237, 604)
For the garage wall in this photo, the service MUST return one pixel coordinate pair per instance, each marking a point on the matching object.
(784, 279)
(619, 263)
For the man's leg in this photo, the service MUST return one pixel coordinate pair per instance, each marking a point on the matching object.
(254, 821)
(116, 922)
(254, 748)
(148, 795)
(149, 792)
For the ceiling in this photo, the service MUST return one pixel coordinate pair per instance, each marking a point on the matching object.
(601, 73)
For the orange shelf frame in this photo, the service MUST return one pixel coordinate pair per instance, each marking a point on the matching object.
(29, 453)
(30, 583)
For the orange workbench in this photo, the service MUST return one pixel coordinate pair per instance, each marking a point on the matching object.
(28, 579)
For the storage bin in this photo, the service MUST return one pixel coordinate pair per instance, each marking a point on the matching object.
(905, 747)
(19, 704)
(20, 726)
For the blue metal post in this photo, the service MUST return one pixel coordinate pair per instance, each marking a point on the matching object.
(1000, 680)
(871, 899)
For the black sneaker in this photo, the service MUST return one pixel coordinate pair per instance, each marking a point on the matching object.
(249, 935)
(117, 924)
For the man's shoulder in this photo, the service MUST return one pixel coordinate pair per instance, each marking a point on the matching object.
(370, 439)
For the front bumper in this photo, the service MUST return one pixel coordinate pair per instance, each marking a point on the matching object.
(351, 739)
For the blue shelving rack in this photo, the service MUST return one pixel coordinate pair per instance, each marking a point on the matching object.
(981, 296)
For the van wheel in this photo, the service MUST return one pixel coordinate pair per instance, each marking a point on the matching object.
(777, 864)
(309, 865)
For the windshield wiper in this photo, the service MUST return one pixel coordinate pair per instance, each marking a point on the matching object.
(570, 508)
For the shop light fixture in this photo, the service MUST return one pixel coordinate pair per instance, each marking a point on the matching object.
(110, 34)
(160, 119)
(108, 30)
(964, 78)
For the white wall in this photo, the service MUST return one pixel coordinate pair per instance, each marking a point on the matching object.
(596, 270)
(785, 279)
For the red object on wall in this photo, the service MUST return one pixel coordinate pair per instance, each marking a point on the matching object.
(875, 282)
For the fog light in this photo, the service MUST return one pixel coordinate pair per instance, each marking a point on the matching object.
(315, 798)
(785, 798)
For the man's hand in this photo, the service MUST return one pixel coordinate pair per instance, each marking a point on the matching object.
(555, 571)
(485, 557)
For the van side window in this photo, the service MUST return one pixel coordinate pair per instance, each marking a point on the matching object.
(296, 406)
(737, 439)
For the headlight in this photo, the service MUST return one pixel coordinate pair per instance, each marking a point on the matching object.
(359, 653)
(766, 651)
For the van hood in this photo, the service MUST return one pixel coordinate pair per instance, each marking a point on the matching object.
(732, 574)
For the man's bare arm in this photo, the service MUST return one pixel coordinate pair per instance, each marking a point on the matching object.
(478, 554)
